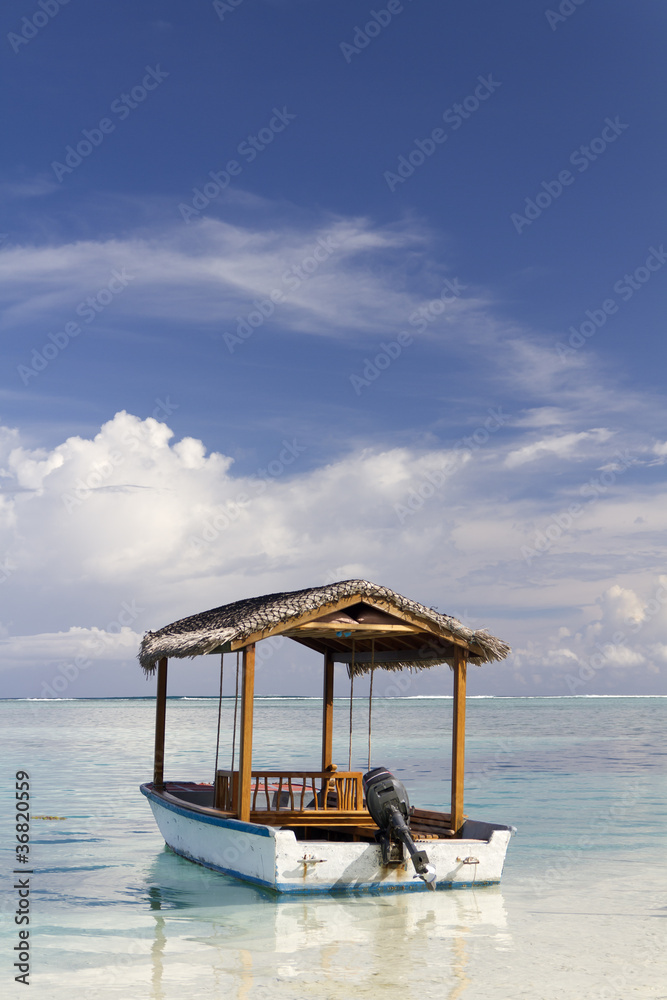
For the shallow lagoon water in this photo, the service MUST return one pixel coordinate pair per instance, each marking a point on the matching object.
(581, 910)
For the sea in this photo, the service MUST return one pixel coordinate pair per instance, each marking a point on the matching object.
(581, 911)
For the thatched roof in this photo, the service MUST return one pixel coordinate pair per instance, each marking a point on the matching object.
(431, 640)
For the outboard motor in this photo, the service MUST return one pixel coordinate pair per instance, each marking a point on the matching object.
(387, 802)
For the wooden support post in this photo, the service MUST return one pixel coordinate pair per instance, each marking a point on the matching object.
(327, 710)
(245, 763)
(458, 740)
(160, 717)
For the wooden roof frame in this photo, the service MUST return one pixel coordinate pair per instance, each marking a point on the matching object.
(340, 605)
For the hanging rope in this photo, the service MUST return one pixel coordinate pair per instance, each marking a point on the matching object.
(236, 707)
(349, 762)
(217, 741)
(370, 701)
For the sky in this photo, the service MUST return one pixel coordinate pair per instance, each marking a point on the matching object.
(296, 291)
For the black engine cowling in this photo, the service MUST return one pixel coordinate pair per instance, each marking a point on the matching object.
(387, 802)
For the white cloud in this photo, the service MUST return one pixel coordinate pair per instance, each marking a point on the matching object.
(542, 416)
(74, 644)
(130, 515)
(622, 607)
(659, 652)
(27, 187)
(370, 282)
(560, 445)
(327, 274)
(617, 649)
(131, 519)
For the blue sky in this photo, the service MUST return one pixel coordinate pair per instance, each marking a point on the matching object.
(296, 291)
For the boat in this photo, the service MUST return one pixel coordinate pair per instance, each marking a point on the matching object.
(326, 829)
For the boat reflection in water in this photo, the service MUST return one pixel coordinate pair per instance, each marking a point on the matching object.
(244, 941)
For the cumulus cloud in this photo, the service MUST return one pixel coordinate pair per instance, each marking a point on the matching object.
(105, 537)
(621, 607)
(617, 648)
(131, 515)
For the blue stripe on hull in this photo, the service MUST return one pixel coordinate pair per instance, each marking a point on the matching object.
(297, 888)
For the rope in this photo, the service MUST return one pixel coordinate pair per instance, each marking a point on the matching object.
(370, 701)
(217, 741)
(349, 762)
(236, 706)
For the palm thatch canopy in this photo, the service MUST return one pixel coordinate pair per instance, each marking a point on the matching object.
(361, 624)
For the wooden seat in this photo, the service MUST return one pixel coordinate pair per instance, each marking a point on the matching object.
(429, 823)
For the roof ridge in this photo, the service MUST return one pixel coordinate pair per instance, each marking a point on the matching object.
(209, 630)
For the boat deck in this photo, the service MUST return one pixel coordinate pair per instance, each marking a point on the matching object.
(311, 824)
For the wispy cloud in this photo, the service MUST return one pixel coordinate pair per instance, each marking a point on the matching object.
(559, 445)
(336, 276)
(36, 186)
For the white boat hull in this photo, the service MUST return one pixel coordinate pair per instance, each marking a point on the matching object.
(273, 857)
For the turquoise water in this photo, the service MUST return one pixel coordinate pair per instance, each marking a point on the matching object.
(581, 911)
